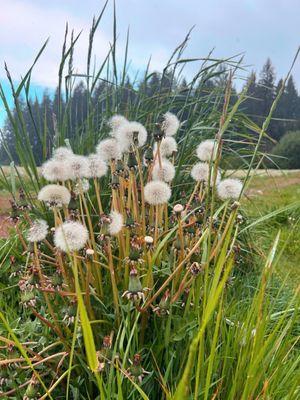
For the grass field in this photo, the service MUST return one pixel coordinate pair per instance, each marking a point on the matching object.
(268, 194)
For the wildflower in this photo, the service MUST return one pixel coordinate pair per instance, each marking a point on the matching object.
(54, 195)
(164, 172)
(78, 167)
(129, 134)
(201, 171)
(71, 236)
(229, 189)
(148, 240)
(69, 313)
(115, 122)
(157, 192)
(168, 146)
(136, 371)
(97, 167)
(62, 153)
(109, 149)
(116, 223)
(38, 231)
(195, 268)
(178, 208)
(135, 291)
(54, 170)
(207, 150)
(89, 254)
(28, 299)
(82, 186)
(164, 305)
(170, 124)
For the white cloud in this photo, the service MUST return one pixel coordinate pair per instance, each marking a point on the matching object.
(261, 29)
(24, 28)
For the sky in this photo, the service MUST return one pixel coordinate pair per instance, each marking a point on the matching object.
(256, 28)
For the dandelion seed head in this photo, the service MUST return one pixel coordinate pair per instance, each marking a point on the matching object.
(165, 172)
(54, 195)
(170, 124)
(178, 208)
(168, 146)
(148, 239)
(97, 167)
(83, 186)
(125, 135)
(54, 170)
(116, 223)
(207, 150)
(109, 149)
(200, 173)
(71, 236)
(157, 192)
(78, 166)
(229, 189)
(89, 252)
(115, 122)
(38, 231)
(62, 153)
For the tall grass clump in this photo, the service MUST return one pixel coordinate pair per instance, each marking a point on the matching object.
(123, 277)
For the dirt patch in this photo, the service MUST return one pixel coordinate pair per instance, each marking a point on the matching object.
(5, 225)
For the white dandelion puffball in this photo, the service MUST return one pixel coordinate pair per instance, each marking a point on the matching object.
(170, 124)
(207, 150)
(78, 167)
(97, 167)
(168, 146)
(54, 195)
(38, 231)
(109, 149)
(200, 173)
(165, 172)
(83, 186)
(157, 192)
(115, 122)
(229, 189)
(125, 135)
(70, 236)
(62, 153)
(116, 223)
(54, 170)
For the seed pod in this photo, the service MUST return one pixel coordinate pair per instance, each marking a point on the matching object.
(148, 155)
(132, 162)
(115, 184)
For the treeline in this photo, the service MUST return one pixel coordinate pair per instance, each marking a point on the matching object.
(40, 116)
